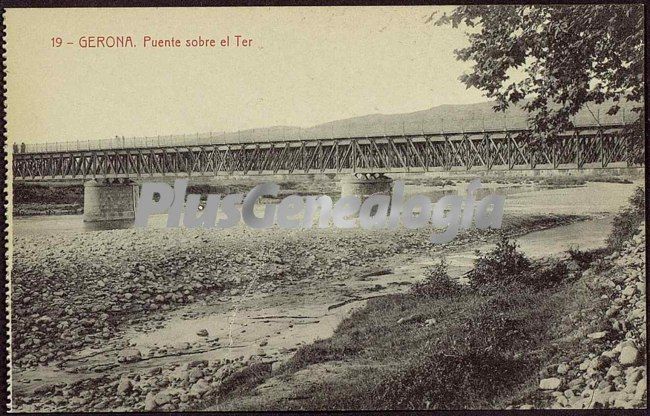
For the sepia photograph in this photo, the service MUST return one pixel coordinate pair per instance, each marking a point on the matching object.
(388, 208)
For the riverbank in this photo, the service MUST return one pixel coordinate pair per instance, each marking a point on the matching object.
(96, 288)
(117, 275)
(560, 333)
(30, 199)
(29, 210)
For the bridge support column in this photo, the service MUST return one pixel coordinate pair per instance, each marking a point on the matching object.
(364, 184)
(110, 201)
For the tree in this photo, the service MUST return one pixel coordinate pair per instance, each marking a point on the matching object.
(555, 59)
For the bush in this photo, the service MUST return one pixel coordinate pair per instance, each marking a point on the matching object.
(246, 378)
(438, 283)
(609, 179)
(321, 351)
(584, 258)
(546, 275)
(627, 222)
(563, 181)
(507, 269)
(503, 264)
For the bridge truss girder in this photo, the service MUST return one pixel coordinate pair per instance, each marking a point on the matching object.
(496, 150)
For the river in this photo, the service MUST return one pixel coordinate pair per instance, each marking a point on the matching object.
(593, 198)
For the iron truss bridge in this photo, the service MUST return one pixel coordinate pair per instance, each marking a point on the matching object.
(583, 147)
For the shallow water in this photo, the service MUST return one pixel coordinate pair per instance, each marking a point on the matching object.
(583, 235)
(245, 330)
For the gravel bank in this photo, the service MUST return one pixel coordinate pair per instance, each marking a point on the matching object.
(613, 373)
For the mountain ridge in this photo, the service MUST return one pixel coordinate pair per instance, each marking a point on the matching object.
(444, 117)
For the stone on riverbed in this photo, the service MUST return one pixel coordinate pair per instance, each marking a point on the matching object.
(199, 388)
(629, 355)
(130, 355)
(149, 402)
(550, 383)
(124, 386)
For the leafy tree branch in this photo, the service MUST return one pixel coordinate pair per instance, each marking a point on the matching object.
(554, 59)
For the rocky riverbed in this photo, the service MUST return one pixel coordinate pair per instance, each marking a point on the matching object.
(76, 297)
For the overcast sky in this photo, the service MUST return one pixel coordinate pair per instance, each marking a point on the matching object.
(305, 66)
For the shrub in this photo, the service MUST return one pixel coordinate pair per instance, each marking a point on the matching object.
(507, 269)
(609, 179)
(438, 283)
(321, 351)
(627, 222)
(564, 181)
(246, 378)
(546, 275)
(504, 263)
(584, 258)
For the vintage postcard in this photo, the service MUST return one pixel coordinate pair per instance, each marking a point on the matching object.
(433, 207)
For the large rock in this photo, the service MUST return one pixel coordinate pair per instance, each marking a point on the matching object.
(124, 386)
(641, 389)
(629, 355)
(550, 383)
(162, 398)
(194, 374)
(199, 388)
(563, 368)
(149, 402)
(224, 371)
(629, 291)
(197, 363)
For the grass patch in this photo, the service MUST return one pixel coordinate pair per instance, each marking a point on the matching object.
(245, 379)
(443, 345)
(480, 349)
(626, 223)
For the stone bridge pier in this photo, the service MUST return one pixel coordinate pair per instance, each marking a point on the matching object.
(365, 184)
(110, 200)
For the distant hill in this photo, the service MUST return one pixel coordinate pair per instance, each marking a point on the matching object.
(435, 119)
